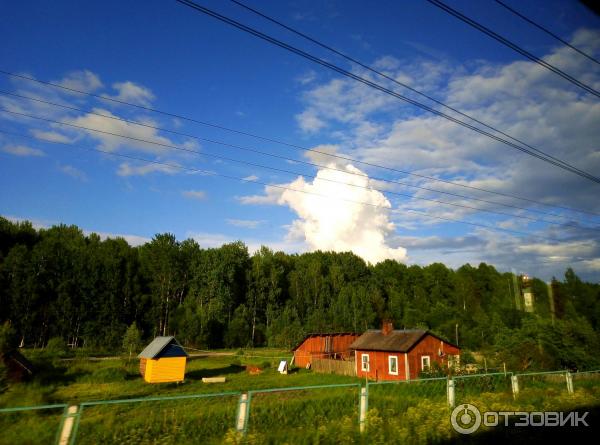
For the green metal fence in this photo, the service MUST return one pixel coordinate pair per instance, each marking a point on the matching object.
(194, 418)
(542, 384)
(470, 387)
(32, 424)
(282, 414)
(393, 398)
(277, 415)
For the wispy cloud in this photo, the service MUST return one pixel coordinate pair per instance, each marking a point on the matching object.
(22, 150)
(198, 195)
(73, 172)
(245, 223)
(83, 80)
(127, 169)
(307, 77)
(52, 136)
(134, 93)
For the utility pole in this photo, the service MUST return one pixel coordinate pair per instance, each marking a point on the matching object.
(456, 329)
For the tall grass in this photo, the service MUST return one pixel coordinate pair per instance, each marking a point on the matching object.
(190, 421)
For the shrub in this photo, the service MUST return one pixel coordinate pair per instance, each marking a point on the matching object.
(56, 346)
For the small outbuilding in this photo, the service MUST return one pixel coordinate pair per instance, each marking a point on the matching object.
(163, 361)
(389, 354)
(333, 345)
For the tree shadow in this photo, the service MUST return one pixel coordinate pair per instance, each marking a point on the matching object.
(197, 374)
(48, 373)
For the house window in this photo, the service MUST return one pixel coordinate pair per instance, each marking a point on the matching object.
(365, 362)
(425, 363)
(393, 365)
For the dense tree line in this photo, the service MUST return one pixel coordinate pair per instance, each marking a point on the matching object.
(59, 283)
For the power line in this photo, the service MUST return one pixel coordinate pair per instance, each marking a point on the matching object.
(376, 86)
(281, 187)
(263, 138)
(547, 31)
(397, 82)
(513, 46)
(253, 150)
(225, 158)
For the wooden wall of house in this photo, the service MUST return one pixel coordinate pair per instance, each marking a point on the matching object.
(316, 347)
(143, 367)
(379, 365)
(167, 369)
(430, 346)
(379, 360)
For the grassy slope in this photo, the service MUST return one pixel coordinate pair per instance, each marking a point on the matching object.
(409, 413)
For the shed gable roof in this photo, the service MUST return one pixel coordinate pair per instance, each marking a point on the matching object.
(395, 341)
(160, 344)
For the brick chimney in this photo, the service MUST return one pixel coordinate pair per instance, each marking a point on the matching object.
(386, 327)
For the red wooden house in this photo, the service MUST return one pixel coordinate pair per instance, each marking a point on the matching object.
(334, 345)
(389, 354)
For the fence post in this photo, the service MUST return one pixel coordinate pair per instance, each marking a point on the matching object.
(363, 407)
(514, 380)
(450, 393)
(243, 411)
(569, 379)
(67, 425)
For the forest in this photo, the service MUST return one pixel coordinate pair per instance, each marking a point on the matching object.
(60, 285)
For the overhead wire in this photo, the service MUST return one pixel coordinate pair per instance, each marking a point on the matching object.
(392, 79)
(546, 30)
(337, 156)
(282, 187)
(253, 150)
(513, 46)
(253, 164)
(561, 164)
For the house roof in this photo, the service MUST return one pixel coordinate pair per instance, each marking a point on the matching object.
(158, 345)
(396, 341)
(321, 334)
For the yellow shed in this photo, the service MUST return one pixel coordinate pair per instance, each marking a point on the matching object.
(163, 361)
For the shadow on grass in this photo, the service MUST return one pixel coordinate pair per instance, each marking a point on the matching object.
(214, 372)
(529, 435)
(47, 373)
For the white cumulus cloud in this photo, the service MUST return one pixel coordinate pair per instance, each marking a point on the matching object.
(335, 216)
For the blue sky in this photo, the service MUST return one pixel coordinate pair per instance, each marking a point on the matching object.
(163, 55)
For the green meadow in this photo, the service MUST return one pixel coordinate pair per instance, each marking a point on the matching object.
(416, 412)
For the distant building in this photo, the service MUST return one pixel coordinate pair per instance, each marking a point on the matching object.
(388, 354)
(334, 345)
(527, 293)
(163, 361)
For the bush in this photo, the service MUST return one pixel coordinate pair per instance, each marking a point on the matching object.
(56, 346)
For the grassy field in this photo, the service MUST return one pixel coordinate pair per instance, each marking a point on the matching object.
(415, 412)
